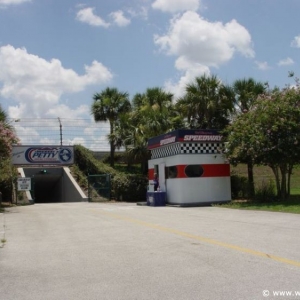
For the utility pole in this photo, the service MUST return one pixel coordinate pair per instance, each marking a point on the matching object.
(60, 130)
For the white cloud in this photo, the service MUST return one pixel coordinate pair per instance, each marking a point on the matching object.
(9, 2)
(262, 65)
(86, 15)
(178, 88)
(286, 62)
(199, 44)
(296, 42)
(47, 141)
(140, 12)
(29, 134)
(119, 18)
(37, 84)
(76, 141)
(64, 111)
(200, 41)
(173, 6)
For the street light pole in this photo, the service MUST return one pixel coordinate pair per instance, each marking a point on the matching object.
(60, 130)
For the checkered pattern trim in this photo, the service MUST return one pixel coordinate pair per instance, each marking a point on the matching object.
(187, 148)
(201, 148)
(166, 151)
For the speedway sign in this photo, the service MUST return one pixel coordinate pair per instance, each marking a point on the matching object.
(185, 135)
(42, 155)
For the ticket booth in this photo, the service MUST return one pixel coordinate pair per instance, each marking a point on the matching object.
(191, 167)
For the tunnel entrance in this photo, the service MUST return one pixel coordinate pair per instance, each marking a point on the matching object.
(47, 184)
(47, 188)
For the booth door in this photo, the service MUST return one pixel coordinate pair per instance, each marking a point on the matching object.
(162, 177)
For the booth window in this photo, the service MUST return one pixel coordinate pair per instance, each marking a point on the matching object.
(171, 172)
(193, 171)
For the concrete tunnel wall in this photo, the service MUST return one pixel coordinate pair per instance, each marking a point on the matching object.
(72, 191)
(55, 185)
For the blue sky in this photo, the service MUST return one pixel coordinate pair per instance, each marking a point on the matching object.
(54, 55)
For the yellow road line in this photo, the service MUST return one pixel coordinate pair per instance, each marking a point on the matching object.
(204, 239)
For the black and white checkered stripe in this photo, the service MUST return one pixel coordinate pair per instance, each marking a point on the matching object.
(187, 148)
(166, 151)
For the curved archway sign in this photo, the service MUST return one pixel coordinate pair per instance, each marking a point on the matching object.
(43, 155)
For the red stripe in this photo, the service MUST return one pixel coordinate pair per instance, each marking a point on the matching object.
(220, 170)
(151, 174)
(209, 170)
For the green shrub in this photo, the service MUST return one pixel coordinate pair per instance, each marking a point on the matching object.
(7, 175)
(126, 187)
(239, 187)
(266, 191)
(118, 158)
(88, 164)
(130, 188)
(80, 178)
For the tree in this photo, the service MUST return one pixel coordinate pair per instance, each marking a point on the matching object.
(108, 106)
(153, 114)
(246, 92)
(207, 103)
(7, 136)
(7, 139)
(269, 133)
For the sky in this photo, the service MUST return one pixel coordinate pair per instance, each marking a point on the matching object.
(55, 55)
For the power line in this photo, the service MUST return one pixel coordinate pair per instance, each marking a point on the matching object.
(57, 131)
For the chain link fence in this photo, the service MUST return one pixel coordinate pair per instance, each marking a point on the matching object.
(99, 187)
(62, 131)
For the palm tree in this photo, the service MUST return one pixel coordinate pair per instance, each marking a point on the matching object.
(7, 135)
(153, 114)
(207, 103)
(246, 92)
(152, 111)
(3, 116)
(109, 105)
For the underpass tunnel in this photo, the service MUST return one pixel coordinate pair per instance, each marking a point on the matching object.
(47, 184)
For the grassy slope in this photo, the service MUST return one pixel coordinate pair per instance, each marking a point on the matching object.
(265, 173)
(262, 173)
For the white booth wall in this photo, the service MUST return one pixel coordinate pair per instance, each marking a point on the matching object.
(192, 191)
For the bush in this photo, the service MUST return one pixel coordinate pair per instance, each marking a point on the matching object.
(126, 187)
(88, 164)
(8, 174)
(266, 192)
(118, 158)
(239, 187)
(130, 188)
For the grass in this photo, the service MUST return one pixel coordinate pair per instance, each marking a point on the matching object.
(290, 206)
(262, 173)
(295, 191)
(265, 173)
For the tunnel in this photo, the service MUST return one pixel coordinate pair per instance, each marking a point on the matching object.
(47, 184)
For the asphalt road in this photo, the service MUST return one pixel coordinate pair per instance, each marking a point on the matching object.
(122, 251)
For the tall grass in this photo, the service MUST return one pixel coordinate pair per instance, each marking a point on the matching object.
(263, 175)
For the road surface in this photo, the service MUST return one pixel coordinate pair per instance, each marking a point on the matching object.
(92, 251)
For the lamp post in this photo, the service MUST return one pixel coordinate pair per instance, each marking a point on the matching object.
(60, 130)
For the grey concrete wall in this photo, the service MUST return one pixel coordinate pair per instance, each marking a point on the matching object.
(64, 188)
(71, 190)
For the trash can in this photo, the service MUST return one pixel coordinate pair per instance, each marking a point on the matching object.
(156, 198)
